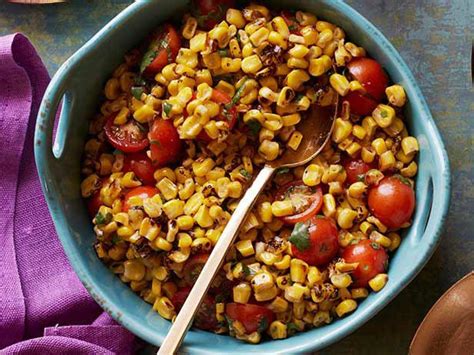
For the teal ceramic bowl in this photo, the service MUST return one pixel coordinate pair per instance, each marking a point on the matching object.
(79, 83)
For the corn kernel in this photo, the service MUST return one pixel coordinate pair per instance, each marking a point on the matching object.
(396, 95)
(378, 282)
(345, 307)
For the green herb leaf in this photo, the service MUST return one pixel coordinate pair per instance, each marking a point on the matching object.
(147, 59)
(245, 173)
(223, 52)
(167, 107)
(101, 219)
(155, 142)
(246, 270)
(254, 127)
(384, 114)
(280, 171)
(116, 239)
(237, 96)
(292, 27)
(361, 177)
(291, 328)
(140, 126)
(300, 236)
(137, 91)
(262, 324)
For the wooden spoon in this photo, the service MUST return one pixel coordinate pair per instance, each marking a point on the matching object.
(316, 129)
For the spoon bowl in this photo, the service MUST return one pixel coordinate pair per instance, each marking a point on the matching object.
(317, 129)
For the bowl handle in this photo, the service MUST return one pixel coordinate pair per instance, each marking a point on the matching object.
(56, 91)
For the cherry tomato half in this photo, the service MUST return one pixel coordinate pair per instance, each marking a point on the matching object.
(163, 50)
(355, 170)
(307, 201)
(141, 165)
(205, 318)
(141, 191)
(253, 316)
(128, 138)
(392, 201)
(210, 12)
(374, 80)
(372, 259)
(290, 19)
(323, 242)
(228, 115)
(165, 144)
(94, 203)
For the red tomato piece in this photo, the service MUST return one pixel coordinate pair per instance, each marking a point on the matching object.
(205, 318)
(355, 170)
(307, 201)
(141, 165)
(94, 203)
(210, 12)
(372, 259)
(392, 201)
(163, 50)
(253, 316)
(165, 144)
(323, 242)
(142, 191)
(360, 104)
(290, 19)
(128, 138)
(371, 75)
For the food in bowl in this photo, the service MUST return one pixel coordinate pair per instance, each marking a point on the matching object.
(188, 120)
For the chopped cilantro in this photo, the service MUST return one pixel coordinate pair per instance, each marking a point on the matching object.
(245, 173)
(237, 96)
(246, 270)
(292, 328)
(140, 126)
(148, 58)
(361, 177)
(254, 127)
(292, 27)
(280, 171)
(223, 52)
(101, 219)
(262, 324)
(116, 239)
(155, 142)
(167, 107)
(383, 113)
(300, 236)
(137, 91)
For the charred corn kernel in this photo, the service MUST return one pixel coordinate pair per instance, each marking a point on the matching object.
(169, 288)
(169, 72)
(359, 132)
(259, 36)
(405, 158)
(395, 241)
(167, 188)
(148, 230)
(396, 95)
(268, 258)
(280, 26)
(345, 218)
(203, 218)
(203, 76)
(134, 270)
(266, 96)
(297, 63)
(264, 210)
(90, 185)
(247, 50)
(189, 28)
(163, 244)
(282, 208)
(222, 187)
(291, 120)
(380, 239)
(366, 228)
(144, 114)
(321, 317)
(296, 78)
(305, 18)
(345, 267)
(122, 116)
(378, 282)
(295, 292)
(369, 124)
(253, 115)
(341, 280)
(353, 149)
(283, 281)
(106, 162)
(225, 87)
(245, 247)
(367, 154)
(235, 17)
(278, 330)
(298, 270)
(410, 170)
(173, 208)
(329, 205)
(345, 307)
(295, 140)
(267, 294)
(215, 212)
(383, 115)
(379, 146)
(112, 89)
(286, 95)
(357, 293)
(184, 240)
(284, 263)
(156, 287)
(387, 161)
(314, 276)
(234, 189)
(279, 305)
(201, 245)
(164, 307)
(129, 180)
(187, 190)
(231, 65)
(251, 64)
(395, 128)
(153, 206)
(241, 293)
(164, 173)
(298, 309)
(342, 130)
(262, 281)
(299, 51)
(410, 145)
(185, 223)
(269, 150)
(312, 175)
(202, 168)
(293, 38)
(339, 83)
(282, 69)
(357, 189)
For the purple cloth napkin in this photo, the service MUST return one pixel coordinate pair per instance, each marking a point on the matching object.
(43, 306)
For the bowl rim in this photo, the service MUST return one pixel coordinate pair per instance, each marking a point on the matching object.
(351, 323)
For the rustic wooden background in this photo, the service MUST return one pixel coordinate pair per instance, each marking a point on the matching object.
(435, 38)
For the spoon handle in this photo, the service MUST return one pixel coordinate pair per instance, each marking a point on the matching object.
(183, 321)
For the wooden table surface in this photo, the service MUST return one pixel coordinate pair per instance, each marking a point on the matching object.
(435, 39)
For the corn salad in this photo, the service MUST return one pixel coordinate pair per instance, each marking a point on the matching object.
(186, 125)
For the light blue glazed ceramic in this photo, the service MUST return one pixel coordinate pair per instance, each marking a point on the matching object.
(79, 83)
